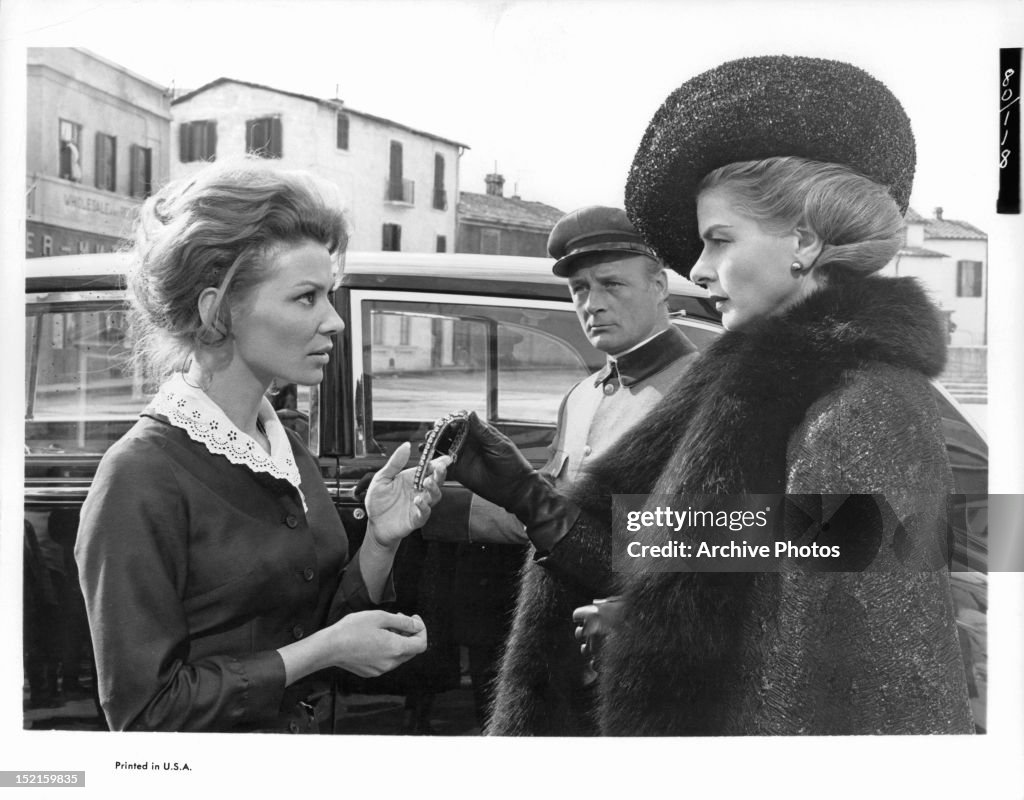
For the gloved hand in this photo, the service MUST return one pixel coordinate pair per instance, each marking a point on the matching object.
(491, 466)
(594, 623)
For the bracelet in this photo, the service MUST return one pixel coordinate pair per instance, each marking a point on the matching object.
(446, 438)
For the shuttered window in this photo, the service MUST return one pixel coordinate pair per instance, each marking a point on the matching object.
(106, 162)
(142, 171)
(440, 195)
(342, 131)
(968, 278)
(395, 172)
(392, 237)
(197, 141)
(263, 137)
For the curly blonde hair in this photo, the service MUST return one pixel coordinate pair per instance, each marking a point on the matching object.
(216, 229)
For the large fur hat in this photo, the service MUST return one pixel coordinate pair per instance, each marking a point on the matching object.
(755, 108)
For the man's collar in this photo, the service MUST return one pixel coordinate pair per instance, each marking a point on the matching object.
(647, 358)
(637, 346)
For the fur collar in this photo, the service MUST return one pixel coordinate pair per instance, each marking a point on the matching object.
(723, 428)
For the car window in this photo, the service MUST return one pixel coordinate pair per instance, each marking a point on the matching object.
(510, 364)
(81, 394)
(968, 458)
(701, 334)
(426, 364)
(535, 369)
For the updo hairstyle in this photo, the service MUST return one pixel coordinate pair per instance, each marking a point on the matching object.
(856, 218)
(216, 229)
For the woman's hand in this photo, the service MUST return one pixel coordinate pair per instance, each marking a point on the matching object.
(394, 507)
(370, 643)
(366, 643)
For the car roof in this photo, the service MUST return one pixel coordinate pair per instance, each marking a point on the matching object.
(457, 273)
(87, 271)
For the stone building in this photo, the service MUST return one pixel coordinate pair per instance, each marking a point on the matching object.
(397, 184)
(98, 144)
(950, 258)
(493, 224)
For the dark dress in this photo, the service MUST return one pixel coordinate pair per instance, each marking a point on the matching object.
(195, 570)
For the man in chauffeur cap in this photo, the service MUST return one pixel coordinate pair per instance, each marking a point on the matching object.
(620, 291)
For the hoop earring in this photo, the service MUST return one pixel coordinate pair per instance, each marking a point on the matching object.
(186, 367)
(274, 390)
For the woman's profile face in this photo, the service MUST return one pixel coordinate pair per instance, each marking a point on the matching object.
(744, 266)
(284, 327)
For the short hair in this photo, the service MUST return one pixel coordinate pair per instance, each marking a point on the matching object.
(216, 229)
(856, 218)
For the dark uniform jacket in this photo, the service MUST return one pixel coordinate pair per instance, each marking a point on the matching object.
(829, 397)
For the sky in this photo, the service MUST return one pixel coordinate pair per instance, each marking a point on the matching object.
(555, 95)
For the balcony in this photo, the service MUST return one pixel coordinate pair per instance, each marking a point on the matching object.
(401, 191)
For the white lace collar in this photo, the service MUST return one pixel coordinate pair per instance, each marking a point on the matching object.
(191, 409)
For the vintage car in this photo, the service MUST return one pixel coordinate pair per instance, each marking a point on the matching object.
(425, 334)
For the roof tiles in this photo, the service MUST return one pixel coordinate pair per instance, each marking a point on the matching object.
(935, 228)
(952, 229)
(484, 208)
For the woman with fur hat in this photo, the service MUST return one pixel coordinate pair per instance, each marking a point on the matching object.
(778, 183)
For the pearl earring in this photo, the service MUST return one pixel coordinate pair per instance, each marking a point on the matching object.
(796, 268)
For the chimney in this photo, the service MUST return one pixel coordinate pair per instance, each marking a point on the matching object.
(938, 212)
(495, 184)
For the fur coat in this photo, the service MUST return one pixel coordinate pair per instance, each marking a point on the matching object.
(829, 397)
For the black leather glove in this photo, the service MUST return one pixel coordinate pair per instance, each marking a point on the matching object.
(491, 466)
(594, 623)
